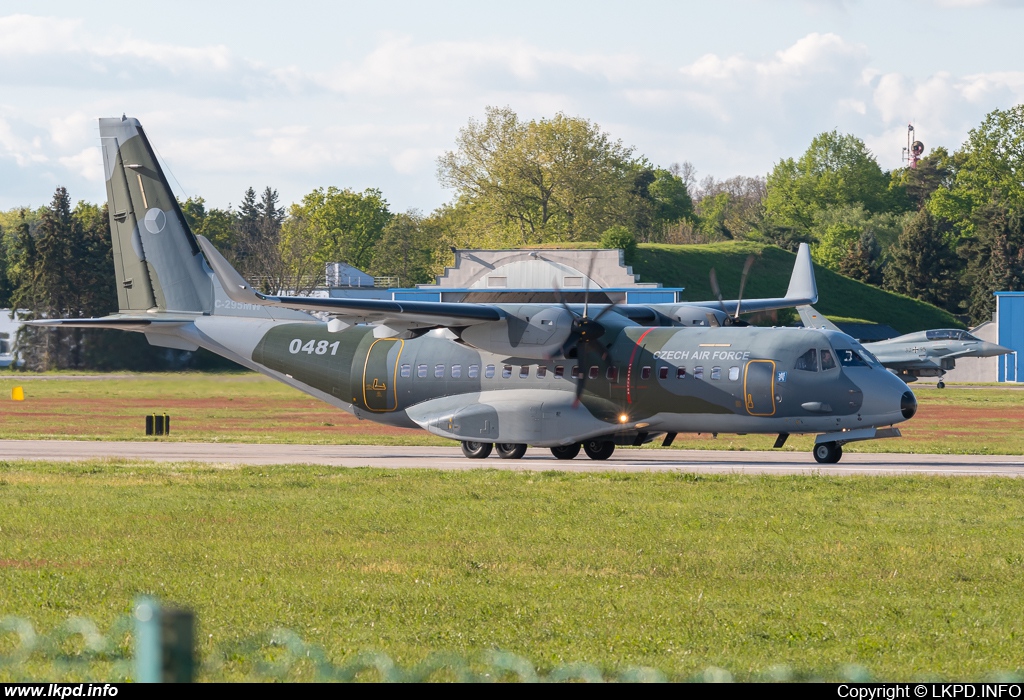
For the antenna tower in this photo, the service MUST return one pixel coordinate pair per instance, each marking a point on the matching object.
(913, 150)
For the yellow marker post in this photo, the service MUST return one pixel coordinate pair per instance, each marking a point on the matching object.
(17, 394)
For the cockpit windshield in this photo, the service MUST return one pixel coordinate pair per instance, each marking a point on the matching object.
(850, 358)
(949, 334)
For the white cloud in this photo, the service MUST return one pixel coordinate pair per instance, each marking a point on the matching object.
(224, 121)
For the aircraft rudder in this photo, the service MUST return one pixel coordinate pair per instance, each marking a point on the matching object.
(157, 261)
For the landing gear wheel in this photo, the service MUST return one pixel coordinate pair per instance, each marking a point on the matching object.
(599, 449)
(510, 450)
(827, 452)
(566, 451)
(940, 385)
(476, 450)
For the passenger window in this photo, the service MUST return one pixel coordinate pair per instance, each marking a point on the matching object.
(663, 373)
(612, 374)
(734, 373)
(559, 371)
(439, 371)
(645, 373)
(489, 372)
(456, 371)
(575, 372)
(827, 361)
(681, 373)
(473, 372)
(698, 372)
(506, 371)
(524, 371)
(716, 373)
(542, 371)
(421, 371)
(594, 371)
(808, 361)
(406, 371)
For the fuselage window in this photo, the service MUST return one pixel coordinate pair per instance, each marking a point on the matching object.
(716, 373)
(612, 374)
(594, 371)
(808, 361)
(456, 371)
(848, 358)
(406, 371)
(473, 372)
(542, 371)
(734, 374)
(645, 373)
(421, 371)
(439, 371)
(827, 361)
(559, 371)
(663, 373)
(524, 371)
(506, 371)
(575, 372)
(489, 371)
(681, 373)
(698, 372)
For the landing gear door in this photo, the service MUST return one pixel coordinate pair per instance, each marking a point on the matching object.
(380, 374)
(759, 387)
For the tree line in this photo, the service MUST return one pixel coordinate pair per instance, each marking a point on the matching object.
(950, 231)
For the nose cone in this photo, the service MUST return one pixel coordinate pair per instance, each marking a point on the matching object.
(908, 404)
(992, 350)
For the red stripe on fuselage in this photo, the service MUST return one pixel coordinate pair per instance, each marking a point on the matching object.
(629, 369)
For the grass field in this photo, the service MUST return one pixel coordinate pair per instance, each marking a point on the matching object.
(908, 577)
(246, 407)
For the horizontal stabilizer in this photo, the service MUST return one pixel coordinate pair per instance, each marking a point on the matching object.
(419, 312)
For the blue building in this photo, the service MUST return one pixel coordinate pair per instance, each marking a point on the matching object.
(1010, 322)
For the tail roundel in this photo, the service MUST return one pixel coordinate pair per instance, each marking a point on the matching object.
(157, 261)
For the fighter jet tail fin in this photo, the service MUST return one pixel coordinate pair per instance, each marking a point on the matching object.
(157, 262)
(812, 319)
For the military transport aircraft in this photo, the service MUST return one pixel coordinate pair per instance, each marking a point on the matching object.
(921, 354)
(501, 376)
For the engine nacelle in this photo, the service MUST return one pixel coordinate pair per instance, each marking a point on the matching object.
(686, 315)
(526, 331)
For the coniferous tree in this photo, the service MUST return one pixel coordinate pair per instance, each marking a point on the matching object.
(995, 259)
(862, 260)
(922, 264)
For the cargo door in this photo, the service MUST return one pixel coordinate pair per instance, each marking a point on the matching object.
(380, 374)
(759, 387)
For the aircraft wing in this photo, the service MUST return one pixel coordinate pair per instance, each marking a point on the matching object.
(428, 313)
(812, 319)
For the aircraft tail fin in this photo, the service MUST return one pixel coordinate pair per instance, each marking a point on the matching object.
(157, 260)
(812, 319)
(801, 283)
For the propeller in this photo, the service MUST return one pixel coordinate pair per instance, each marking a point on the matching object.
(585, 332)
(734, 319)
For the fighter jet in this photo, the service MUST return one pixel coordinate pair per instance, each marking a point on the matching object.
(492, 376)
(921, 354)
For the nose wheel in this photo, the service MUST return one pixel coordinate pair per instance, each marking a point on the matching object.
(827, 452)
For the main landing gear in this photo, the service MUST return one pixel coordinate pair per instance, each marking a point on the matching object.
(595, 449)
(827, 452)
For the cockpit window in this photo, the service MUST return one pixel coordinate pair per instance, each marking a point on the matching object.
(849, 358)
(827, 361)
(947, 334)
(808, 361)
(968, 336)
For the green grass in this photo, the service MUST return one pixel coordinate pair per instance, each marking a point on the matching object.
(839, 297)
(909, 577)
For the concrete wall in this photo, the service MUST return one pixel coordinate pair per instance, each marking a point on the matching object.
(978, 369)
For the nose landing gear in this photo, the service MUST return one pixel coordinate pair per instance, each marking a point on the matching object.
(827, 452)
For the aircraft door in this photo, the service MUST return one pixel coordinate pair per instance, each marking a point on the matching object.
(759, 387)
(380, 374)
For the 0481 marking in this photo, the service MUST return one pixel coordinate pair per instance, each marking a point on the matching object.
(312, 346)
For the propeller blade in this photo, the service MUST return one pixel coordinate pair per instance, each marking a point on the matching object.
(560, 298)
(716, 290)
(606, 309)
(712, 320)
(581, 383)
(743, 282)
(586, 288)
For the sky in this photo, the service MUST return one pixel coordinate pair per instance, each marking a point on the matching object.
(301, 95)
